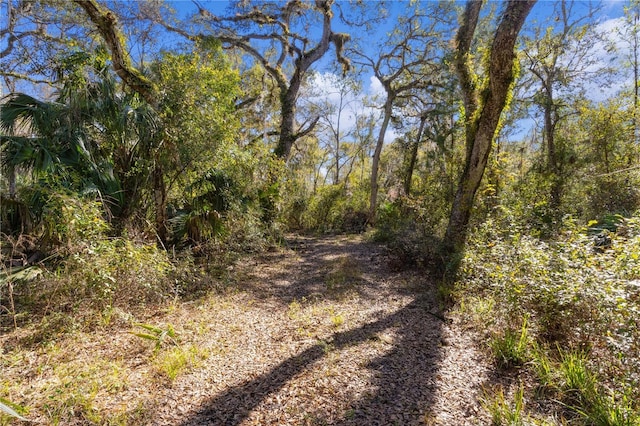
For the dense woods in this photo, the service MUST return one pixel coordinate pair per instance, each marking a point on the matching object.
(147, 146)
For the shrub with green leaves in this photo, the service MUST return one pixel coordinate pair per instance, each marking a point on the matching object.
(117, 271)
(69, 219)
(99, 274)
(334, 208)
(576, 296)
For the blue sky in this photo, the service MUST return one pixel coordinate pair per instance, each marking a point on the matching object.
(610, 10)
(542, 14)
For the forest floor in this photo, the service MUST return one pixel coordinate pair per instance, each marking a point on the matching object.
(322, 332)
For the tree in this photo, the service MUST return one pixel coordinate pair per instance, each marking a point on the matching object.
(558, 58)
(197, 112)
(427, 114)
(331, 98)
(409, 58)
(106, 22)
(281, 38)
(630, 35)
(33, 36)
(483, 100)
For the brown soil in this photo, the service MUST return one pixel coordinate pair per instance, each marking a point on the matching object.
(320, 333)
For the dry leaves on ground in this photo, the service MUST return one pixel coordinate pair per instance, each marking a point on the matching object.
(320, 333)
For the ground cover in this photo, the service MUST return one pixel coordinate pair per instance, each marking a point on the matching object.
(321, 331)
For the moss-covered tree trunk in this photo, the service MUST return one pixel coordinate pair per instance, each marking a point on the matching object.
(107, 25)
(483, 105)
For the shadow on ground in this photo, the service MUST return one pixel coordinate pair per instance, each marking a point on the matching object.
(322, 268)
(403, 379)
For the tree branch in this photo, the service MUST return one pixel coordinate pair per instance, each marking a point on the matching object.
(107, 25)
(308, 130)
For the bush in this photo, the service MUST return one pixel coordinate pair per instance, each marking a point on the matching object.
(574, 295)
(611, 194)
(117, 272)
(68, 220)
(334, 209)
(409, 226)
(88, 268)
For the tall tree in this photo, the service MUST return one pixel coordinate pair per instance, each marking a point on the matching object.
(106, 22)
(408, 60)
(426, 114)
(286, 39)
(32, 34)
(484, 99)
(198, 115)
(630, 34)
(559, 57)
(332, 98)
(212, 96)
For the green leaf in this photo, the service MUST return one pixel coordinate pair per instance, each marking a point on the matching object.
(147, 336)
(10, 411)
(152, 328)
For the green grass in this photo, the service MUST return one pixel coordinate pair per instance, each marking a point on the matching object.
(179, 360)
(502, 412)
(510, 348)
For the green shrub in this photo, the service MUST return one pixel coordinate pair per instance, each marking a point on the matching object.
(69, 220)
(334, 209)
(117, 271)
(98, 276)
(409, 226)
(577, 296)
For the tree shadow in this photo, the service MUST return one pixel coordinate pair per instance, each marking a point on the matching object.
(402, 382)
(319, 268)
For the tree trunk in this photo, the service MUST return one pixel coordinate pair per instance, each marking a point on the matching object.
(107, 25)
(336, 179)
(289, 93)
(11, 171)
(554, 163)
(549, 133)
(413, 156)
(287, 117)
(486, 106)
(160, 202)
(373, 197)
(636, 80)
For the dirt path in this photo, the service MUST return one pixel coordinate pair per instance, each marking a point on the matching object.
(323, 333)
(319, 333)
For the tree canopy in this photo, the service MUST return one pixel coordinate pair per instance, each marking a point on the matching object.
(146, 146)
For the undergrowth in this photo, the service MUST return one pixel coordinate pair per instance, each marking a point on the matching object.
(86, 284)
(576, 307)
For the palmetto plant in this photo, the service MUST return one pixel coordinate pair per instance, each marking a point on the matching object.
(5, 408)
(93, 139)
(209, 198)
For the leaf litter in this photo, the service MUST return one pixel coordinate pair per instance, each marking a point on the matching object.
(322, 332)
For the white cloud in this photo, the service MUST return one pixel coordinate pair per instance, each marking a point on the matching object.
(375, 87)
(325, 88)
(613, 52)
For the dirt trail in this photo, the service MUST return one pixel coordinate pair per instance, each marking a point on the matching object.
(324, 333)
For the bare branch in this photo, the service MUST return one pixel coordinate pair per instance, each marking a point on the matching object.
(25, 78)
(309, 129)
